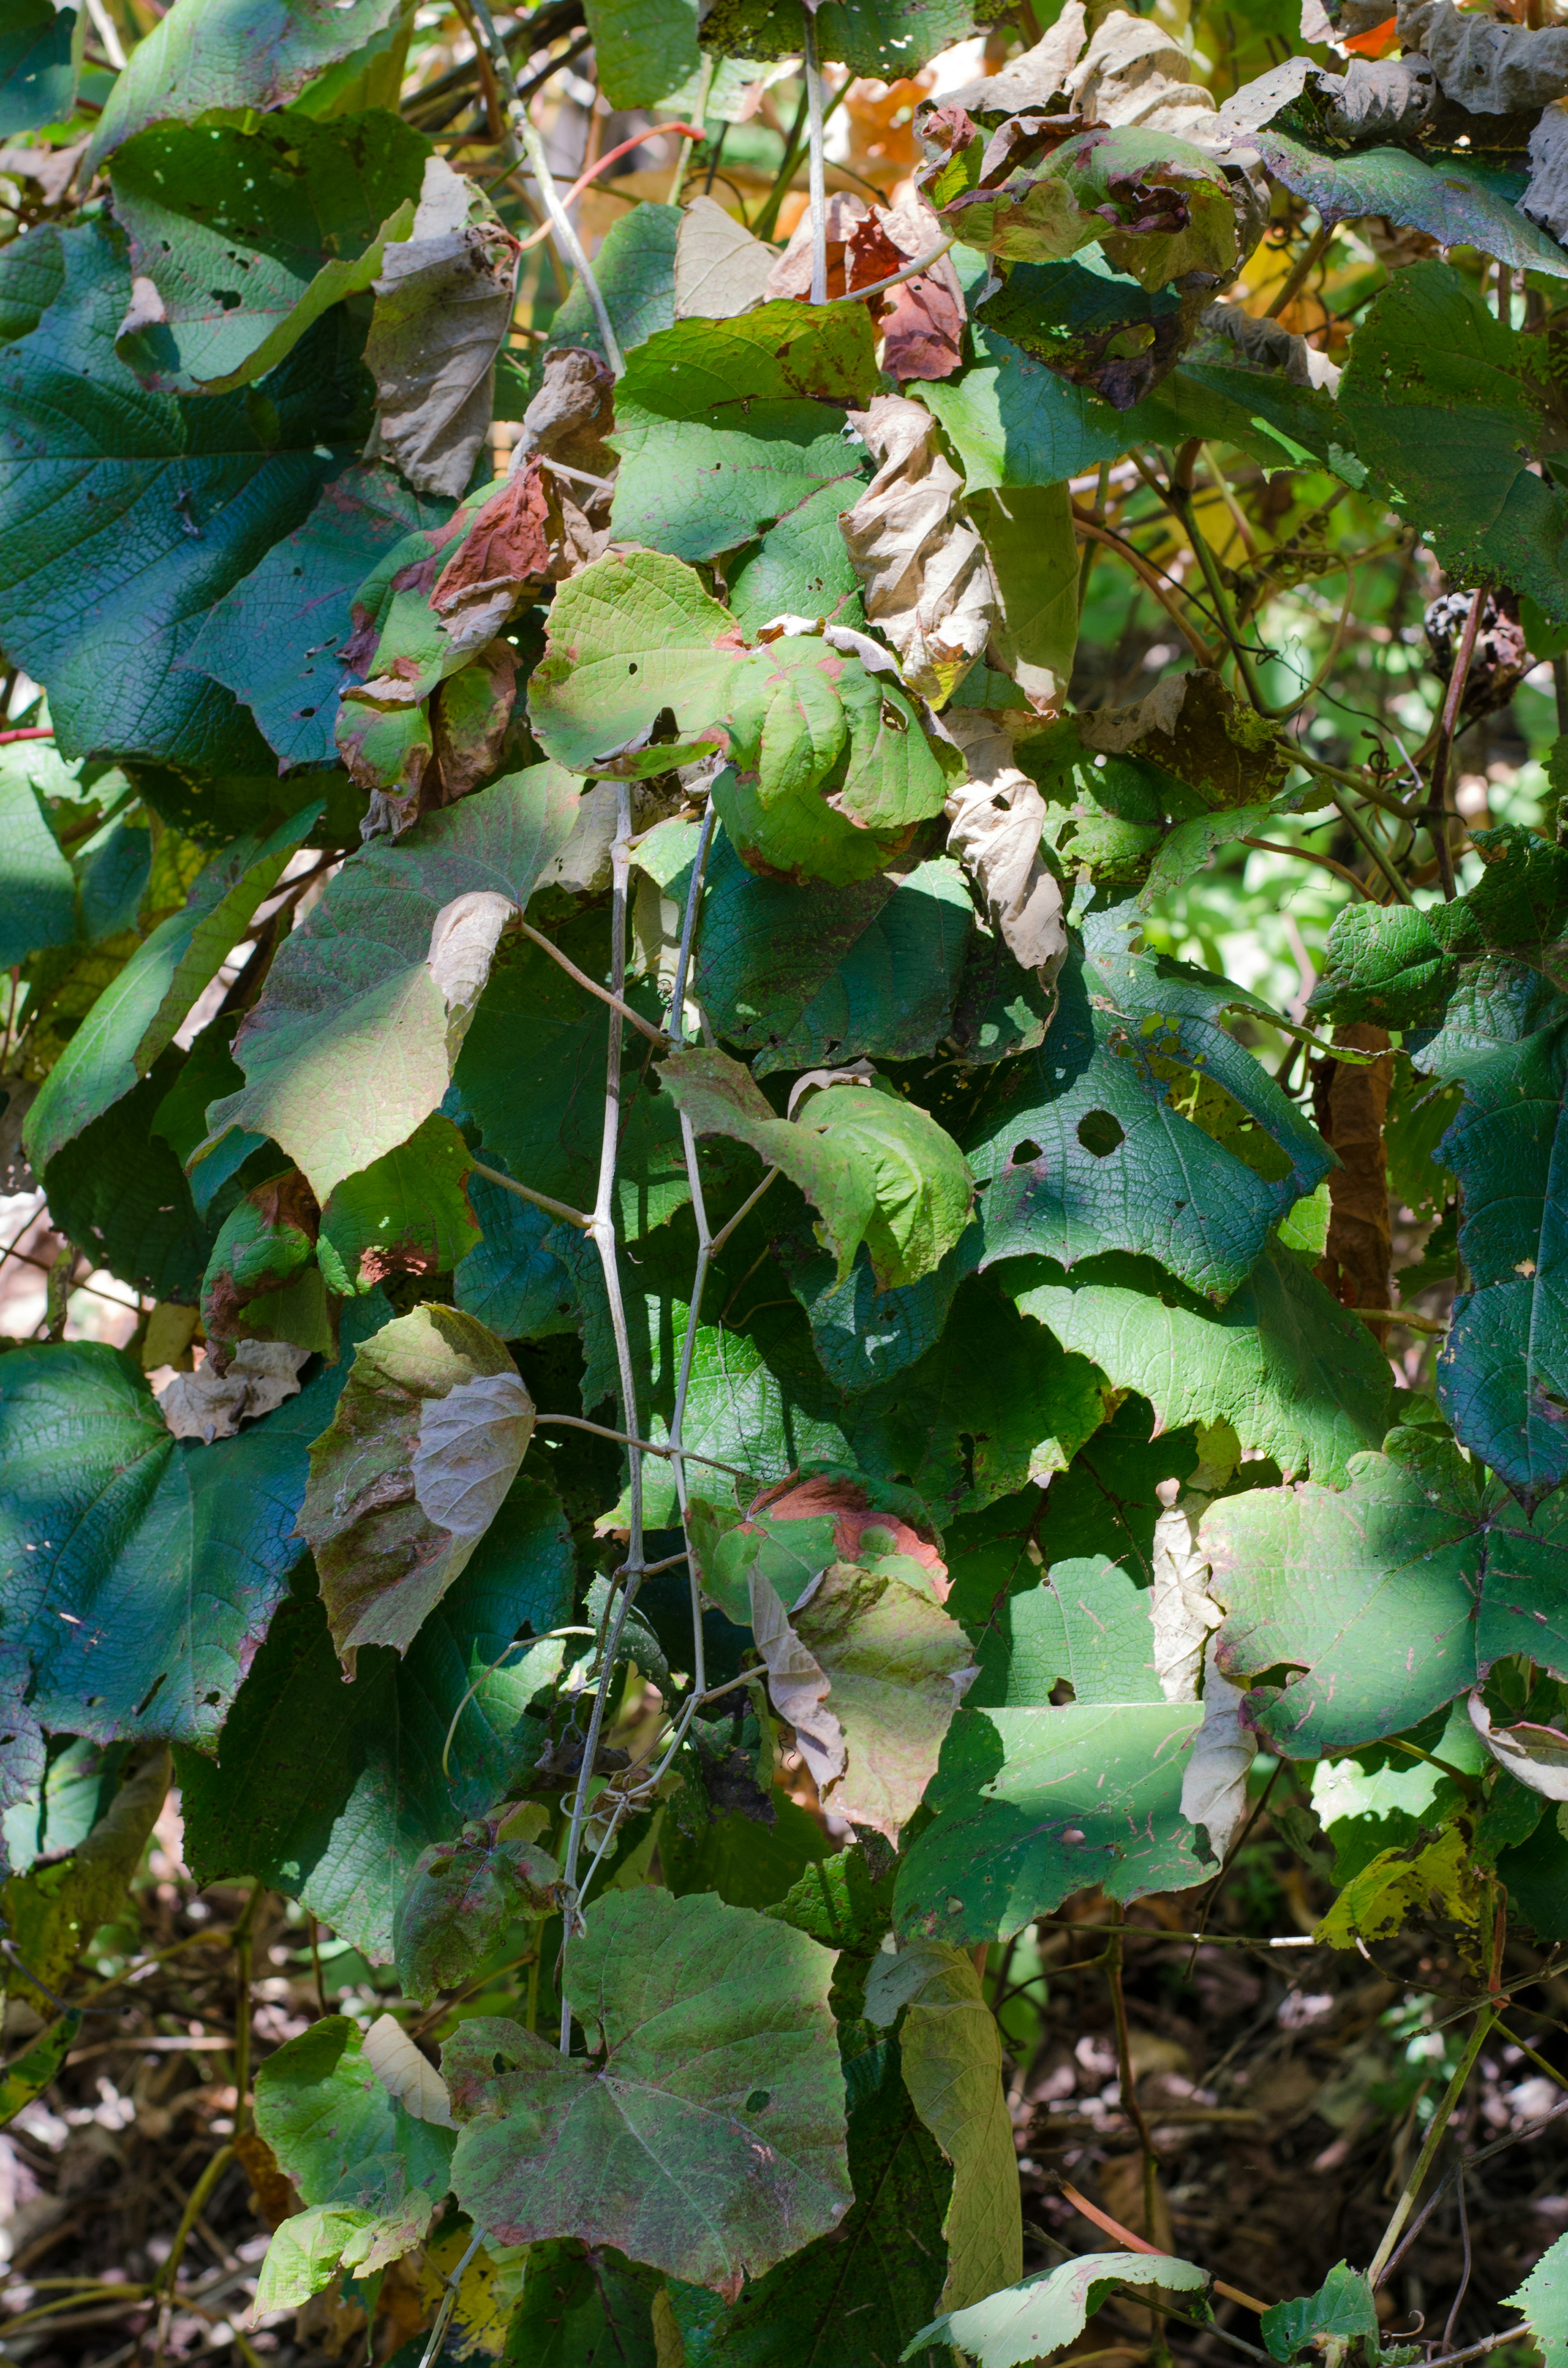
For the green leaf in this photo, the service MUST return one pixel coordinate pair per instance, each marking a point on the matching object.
(30, 2074)
(1084, 1148)
(645, 49)
(1046, 2312)
(1167, 203)
(168, 1558)
(1034, 1803)
(801, 565)
(330, 1796)
(513, 1281)
(1449, 202)
(636, 271)
(863, 1335)
(135, 1019)
(708, 2138)
(768, 977)
(408, 1214)
(580, 2304)
(427, 1438)
(369, 2174)
(230, 53)
(861, 2291)
(1544, 2296)
(275, 640)
(261, 1281)
(1505, 1364)
(1447, 408)
(463, 1898)
(1093, 325)
(1342, 2310)
(40, 58)
(1297, 1376)
(725, 426)
(37, 882)
(52, 1913)
(351, 1043)
(951, 2055)
(1385, 1599)
(245, 232)
(1441, 1879)
(885, 38)
(879, 1170)
(118, 1190)
(124, 515)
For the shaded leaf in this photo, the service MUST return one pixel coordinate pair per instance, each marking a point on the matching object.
(243, 233)
(1449, 202)
(125, 515)
(643, 49)
(331, 1796)
(409, 1214)
(40, 58)
(391, 957)
(709, 2140)
(30, 2072)
(463, 1897)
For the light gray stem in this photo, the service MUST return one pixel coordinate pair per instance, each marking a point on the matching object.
(818, 165)
(604, 1241)
(566, 237)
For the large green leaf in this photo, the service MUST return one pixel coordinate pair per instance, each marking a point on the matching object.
(1159, 206)
(139, 1573)
(276, 640)
(636, 271)
(207, 53)
(124, 515)
(859, 2294)
(880, 1170)
(369, 2174)
(351, 1043)
(1385, 1599)
(1449, 202)
(1083, 1149)
(769, 981)
(246, 231)
(1448, 408)
(1033, 1802)
(40, 58)
(330, 1793)
(836, 768)
(427, 1438)
(119, 1190)
(1297, 1377)
(724, 426)
(863, 1335)
(578, 2299)
(1544, 2296)
(135, 1019)
(643, 49)
(704, 2132)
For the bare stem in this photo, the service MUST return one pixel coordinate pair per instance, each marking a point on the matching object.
(818, 167)
(538, 1200)
(1437, 814)
(1413, 2185)
(603, 1230)
(616, 1002)
(566, 237)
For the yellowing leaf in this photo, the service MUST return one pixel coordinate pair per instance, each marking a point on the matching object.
(1381, 1899)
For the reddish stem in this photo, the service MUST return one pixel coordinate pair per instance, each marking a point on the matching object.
(27, 732)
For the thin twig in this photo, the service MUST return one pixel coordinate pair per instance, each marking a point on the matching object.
(646, 1446)
(616, 1002)
(747, 1205)
(817, 168)
(1295, 278)
(1436, 812)
(1378, 2268)
(537, 1200)
(895, 278)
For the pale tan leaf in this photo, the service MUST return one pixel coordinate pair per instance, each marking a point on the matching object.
(1490, 69)
(470, 1444)
(1534, 1755)
(995, 819)
(1029, 80)
(406, 2075)
(207, 1405)
(897, 1669)
(1545, 202)
(721, 270)
(1214, 1782)
(925, 573)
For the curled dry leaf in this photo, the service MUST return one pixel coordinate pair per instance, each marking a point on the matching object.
(1135, 71)
(504, 551)
(1183, 1611)
(1534, 1755)
(572, 413)
(1269, 347)
(924, 570)
(1214, 1782)
(408, 2077)
(469, 716)
(1487, 68)
(1190, 725)
(995, 822)
(443, 304)
(1545, 201)
(922, 321)
(1028, 81)
(207, 1405)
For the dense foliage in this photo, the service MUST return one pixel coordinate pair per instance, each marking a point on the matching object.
(813, 973)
